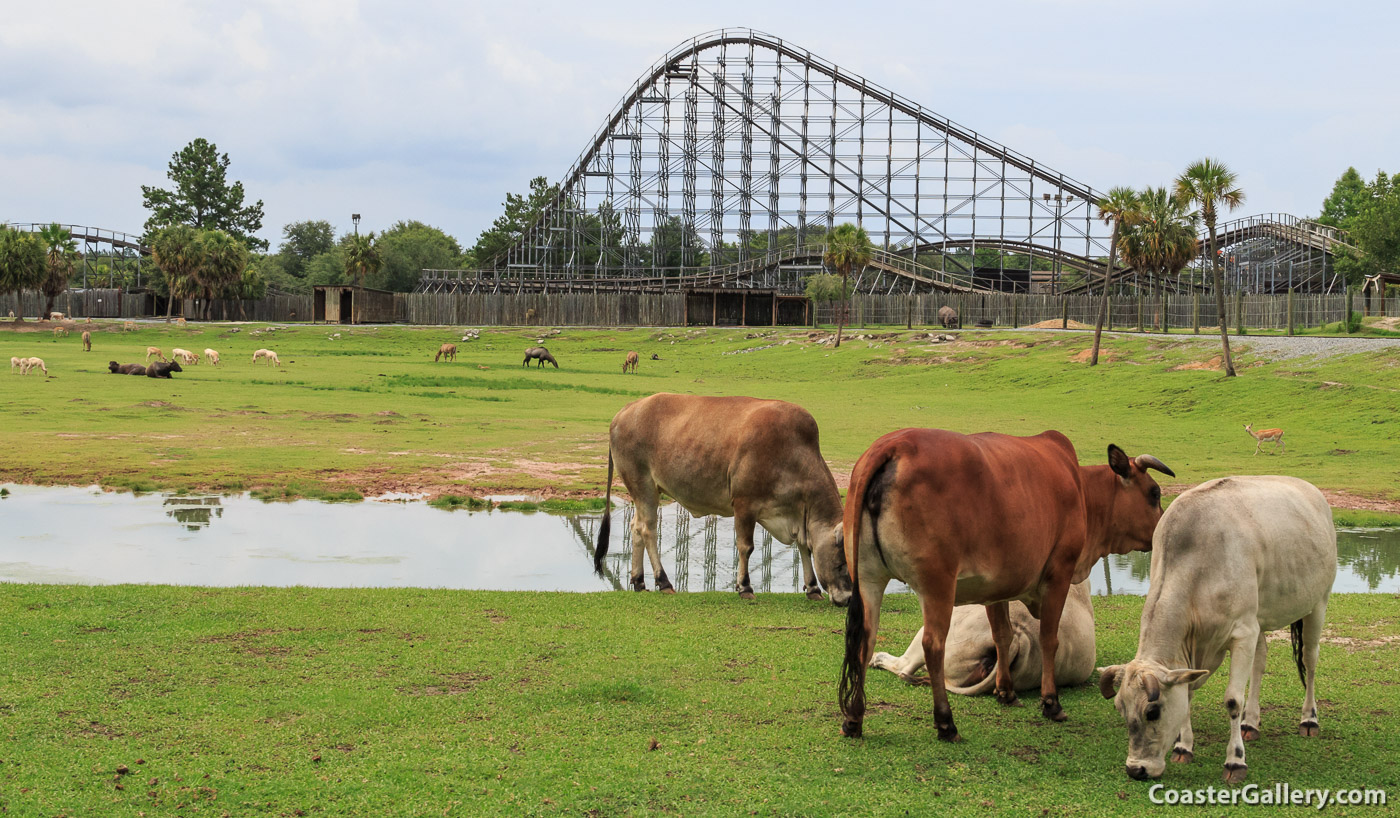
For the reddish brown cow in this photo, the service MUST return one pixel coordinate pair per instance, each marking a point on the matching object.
(986, 519)
(758, 461)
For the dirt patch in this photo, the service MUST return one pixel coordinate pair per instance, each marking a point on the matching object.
(1083, 356)
(1056, 323)
(1214, 364)
(454, 684)
(1351, 643)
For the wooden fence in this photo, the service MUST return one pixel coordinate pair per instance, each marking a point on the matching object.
(668, 309)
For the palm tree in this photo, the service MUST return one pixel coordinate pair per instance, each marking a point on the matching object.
(847, 248)
(361, 258)
(225, 258)
(59, 252)
(1161, 238)
(179, 253)
(21, 265)
(1207, 184)
(1119, 207)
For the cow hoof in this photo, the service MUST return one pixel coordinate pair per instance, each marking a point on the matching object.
(746, 594)
(1008, 698)
(850, 729)
(1249, 733)
(1309, 728)
(1236, 773)
(1050, 707)
(815, 596)
(667, 590)
(1183, 756)
(949, 734)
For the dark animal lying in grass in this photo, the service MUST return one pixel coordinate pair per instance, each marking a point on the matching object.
(539, 354)
(126, 369)
(162, 369)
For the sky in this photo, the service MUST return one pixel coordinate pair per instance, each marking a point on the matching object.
(435, 110)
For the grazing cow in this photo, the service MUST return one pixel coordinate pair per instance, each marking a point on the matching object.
(87, 341)
(160, 369)
(539, 354)
(630, 363)
(948, 317)
(1233, 559)
(212, 356)
(1274, 436)
(970, 655)
(758, 461)
(160, 356)
(271, 357)
(983, 518)
(28, 365)
(448, 351)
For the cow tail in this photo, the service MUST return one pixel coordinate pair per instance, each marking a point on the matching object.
(603, 530)
(851, 689)
(1295, 632)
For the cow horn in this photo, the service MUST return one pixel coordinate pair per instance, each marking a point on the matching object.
(1147, 461)
(1153, 686)
(1108, 680)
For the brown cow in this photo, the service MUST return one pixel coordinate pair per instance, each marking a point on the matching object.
(448, 351)
(631, 362)
(987, 519)
(758, 461)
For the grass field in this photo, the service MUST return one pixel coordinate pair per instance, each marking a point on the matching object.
(417, 702)
(357, 411)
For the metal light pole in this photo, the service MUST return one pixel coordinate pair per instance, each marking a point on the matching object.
(1060, 201)
(355, 217)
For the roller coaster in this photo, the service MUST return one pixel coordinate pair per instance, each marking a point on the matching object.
(727, 162)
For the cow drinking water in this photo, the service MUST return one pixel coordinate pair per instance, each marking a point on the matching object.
(1232, 559)
(983, 518)
(758, 461)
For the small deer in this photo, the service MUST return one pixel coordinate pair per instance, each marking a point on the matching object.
(1274, 436)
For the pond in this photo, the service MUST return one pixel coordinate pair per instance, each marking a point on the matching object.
(87, 536)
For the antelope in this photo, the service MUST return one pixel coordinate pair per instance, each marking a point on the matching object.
(1274, 436)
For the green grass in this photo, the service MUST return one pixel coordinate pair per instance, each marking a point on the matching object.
(1360, 518)
(371, 412)
(263, 701)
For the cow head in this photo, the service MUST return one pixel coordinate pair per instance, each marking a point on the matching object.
(1154, 702)
(114, 366)
(174, 367)
(1136, 504)
(829, 559)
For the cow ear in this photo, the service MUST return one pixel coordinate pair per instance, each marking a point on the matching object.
(1119, 461)
(1184, 676)
(1108, 680)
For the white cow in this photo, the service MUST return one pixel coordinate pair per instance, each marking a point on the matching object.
(970, 655)
(1232, 559)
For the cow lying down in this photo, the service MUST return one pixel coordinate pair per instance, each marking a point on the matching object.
(162, 369)
(126, 369)
(970, 655)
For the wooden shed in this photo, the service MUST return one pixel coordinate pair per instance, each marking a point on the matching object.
(337, 304)
(735, 307)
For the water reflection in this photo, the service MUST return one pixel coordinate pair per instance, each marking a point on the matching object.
(194, 512)
(86, 536)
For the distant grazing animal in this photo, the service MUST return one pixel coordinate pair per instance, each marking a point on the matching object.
(128, 326)
(57, 331)
(984, 518)
(448, 351)
(12, 313)
(160, 356)
(758, 461)
(180, 321)
(87, 320)
(212, 356)
(55, 316)
(184, 356)
(161, 369)
(16, 363)
(30, 364)
(530, 315)
(1232, 559)
(970, 654)
(1274, 436)
(539, 354)
(87, 341)
(655, 357)
(948, 317)
(631, 362)
(271, 357)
